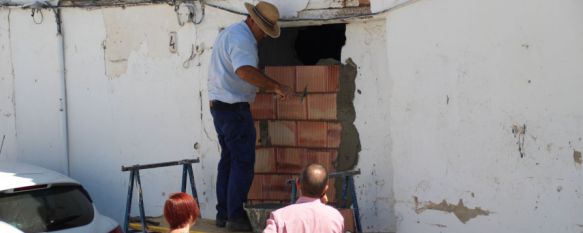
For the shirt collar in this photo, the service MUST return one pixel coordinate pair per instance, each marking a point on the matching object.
(248, 30)
(304, 199)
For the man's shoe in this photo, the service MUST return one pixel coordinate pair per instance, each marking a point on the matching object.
(220, 223)
(237, 226)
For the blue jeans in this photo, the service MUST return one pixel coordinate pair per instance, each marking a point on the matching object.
(236, 134)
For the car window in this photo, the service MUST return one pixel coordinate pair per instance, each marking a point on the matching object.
(46, 210)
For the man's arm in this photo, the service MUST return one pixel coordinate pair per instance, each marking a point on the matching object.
(255, 77)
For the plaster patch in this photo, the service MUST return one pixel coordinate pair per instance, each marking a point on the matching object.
(350, 140)
(127, 30)
(577, 157)
(463, 213)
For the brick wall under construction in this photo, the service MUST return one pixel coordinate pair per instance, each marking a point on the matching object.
(297, 131)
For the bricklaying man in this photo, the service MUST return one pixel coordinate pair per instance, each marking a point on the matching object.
(310, 213)
(233, 80)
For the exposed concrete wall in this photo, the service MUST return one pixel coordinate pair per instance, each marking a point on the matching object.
(485, 117)
(7, 122)
(364, 45)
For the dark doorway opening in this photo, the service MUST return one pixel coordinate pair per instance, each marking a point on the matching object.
(303, 46)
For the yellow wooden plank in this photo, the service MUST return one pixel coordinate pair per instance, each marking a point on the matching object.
(138, 226)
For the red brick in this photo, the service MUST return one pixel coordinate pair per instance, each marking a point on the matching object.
(290, 160)
(323, 157)
(257, 133)
(256, 190)
(265, 160)
(275, 187)
(264, 106)
(321, 106)
(312, 134)
(292, 108)
(318, 78)
(285, 75)
(334, 135)
(282, 133)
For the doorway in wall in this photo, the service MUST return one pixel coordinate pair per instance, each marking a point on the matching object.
(304, 129)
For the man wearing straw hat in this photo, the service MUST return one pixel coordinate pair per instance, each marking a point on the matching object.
(232, 83)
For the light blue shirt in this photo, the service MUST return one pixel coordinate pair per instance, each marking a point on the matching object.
(235, 47)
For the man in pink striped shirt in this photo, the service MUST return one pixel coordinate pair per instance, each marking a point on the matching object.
(309, 214)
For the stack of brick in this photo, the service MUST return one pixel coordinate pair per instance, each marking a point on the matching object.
(297, 131)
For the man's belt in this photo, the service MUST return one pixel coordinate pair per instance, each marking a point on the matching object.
(222, 106)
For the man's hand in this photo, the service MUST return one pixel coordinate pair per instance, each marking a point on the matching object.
(256, 78)
(283, 91)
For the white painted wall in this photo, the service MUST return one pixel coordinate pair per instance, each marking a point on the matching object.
(500, 63)
(38, 88)
(364, 45)
(7, 122)
(150, 113)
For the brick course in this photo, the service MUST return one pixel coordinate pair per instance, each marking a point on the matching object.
(293, 108)
(321, 106)
(299, 132)
(318, 78)
(282, 133)
(283, 74)
(263, 107)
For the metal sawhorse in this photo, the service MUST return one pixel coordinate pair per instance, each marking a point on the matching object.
(347, 186)
(135, 177)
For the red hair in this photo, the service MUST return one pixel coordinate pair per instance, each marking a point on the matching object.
(180, 210)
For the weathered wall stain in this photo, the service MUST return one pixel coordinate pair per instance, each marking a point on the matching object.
(519, 132)
(126, 33)
(577, 157)
(463, 213)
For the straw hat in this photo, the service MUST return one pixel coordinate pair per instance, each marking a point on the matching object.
(265, 16)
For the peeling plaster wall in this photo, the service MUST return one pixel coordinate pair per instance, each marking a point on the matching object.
(469, 120)
(7, 122)
(154, 111)
(485, 115)
(130, 99)
(375, 184)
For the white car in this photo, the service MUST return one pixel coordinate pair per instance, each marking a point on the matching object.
(35, 199)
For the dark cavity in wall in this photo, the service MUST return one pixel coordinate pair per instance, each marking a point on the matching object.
(321, 45)
(303, 46)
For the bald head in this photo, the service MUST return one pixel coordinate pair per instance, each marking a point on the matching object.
(314, 180)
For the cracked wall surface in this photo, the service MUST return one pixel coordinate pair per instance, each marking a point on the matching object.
(8, 123)
(34, 104)
(481, 111)
(366, 59)
(443, 91)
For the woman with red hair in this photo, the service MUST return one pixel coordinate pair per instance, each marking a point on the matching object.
(181, 211)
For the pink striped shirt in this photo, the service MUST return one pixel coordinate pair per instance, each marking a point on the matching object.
(308, 215)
